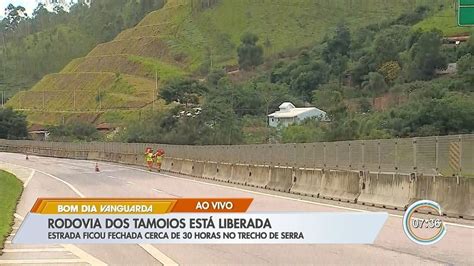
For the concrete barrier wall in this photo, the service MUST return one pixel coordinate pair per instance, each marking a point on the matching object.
(308, 182)
(187, 167)
(209, 170)
(111, 157)
(382, 189)
(176, 165)
(281, 179)
(80, 155)
(166, 164)
(453, 194)
(90, 155)
(224, 172)
(131, 159)
(340, 185)
(394, 191)
(198, 169)
(240, 174)
(259, 176)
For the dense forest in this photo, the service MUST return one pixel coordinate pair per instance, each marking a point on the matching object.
(342, 75)
(43, 42)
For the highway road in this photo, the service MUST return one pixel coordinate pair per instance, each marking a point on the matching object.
(52, 177)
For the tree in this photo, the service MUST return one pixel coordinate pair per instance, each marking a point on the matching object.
(15, 14)
(73, 131)
(375, 83)
(389, 43)
(339, 45)
(450, 114)
(183, 91)
(309, 131)
(390, 70)
(307, 78)
(250, 54)
(466, 68)
(425, 57)
(411, 18)
(362, 67)
(337, 50)
(330, 99)
(12, 124)
(223, 126)
(467, 47)
(215, 76)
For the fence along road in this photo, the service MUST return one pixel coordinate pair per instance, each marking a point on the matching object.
(446, 155)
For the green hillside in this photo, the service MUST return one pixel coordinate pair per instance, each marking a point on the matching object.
(45, 41)
(444, 20)
(117, 79)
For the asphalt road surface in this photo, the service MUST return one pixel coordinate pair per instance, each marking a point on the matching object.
(52, 177)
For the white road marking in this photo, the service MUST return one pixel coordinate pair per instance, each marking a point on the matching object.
(52, 176)
(64, 182)
(15, 227)
(113, 177)
(274, 196)
(158, 255)
(130, 183)
(12, 234)
(29, 178)
(165, 260)
(42, 261)
(29, 250)
(83, 255)
(8, 242)
(161, 191)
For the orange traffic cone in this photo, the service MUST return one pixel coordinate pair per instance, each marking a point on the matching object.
(97, 167)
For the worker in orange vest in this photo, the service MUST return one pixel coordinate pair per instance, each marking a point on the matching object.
(159, 158)
(149, 158)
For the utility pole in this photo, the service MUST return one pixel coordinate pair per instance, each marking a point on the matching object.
(100, 99)
(74, 98)
(232, 106)
(212, 59)
(43, 99)
(4, 57)
(154, 91)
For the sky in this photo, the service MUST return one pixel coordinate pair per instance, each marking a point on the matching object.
(30, 5)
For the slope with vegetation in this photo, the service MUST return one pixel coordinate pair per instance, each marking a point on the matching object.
(346, 74)
(444, 18)
(10, 192)
(183, 39)
(37, 44)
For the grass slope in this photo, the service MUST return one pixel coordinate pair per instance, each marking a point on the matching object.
(180, 40)
(10, 191)
(444, 20)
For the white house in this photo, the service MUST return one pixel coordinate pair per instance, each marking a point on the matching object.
(289, 114)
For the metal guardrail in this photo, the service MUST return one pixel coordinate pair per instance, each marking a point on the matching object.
(446, 155)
